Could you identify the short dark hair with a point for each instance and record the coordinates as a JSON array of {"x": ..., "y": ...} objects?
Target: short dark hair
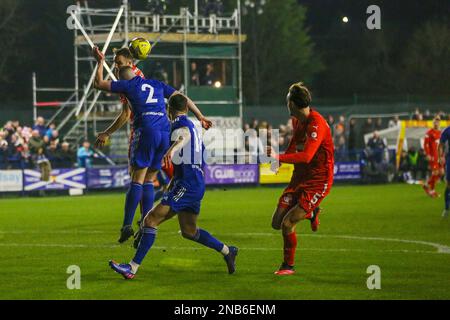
[
  {"x": 124, "y": 52},
  {"x": 300, "y": 95},
  {"x": 178, "y": 102},
  {"x": 126, "y": 73}
]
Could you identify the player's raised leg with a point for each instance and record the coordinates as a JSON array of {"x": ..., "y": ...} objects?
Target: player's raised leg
[
  {"x": 151, "y": 222},
  {"x": 190, "y": 231}
]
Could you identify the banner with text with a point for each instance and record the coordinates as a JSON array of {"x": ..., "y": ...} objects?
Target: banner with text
[
  {"x": 231, "y": 174},
  {"x": 60, "y": 179},
  {"x": 105, "y": 178},
  {"x": 347, "y": 171},
  {"x": 11, "y": 180}
]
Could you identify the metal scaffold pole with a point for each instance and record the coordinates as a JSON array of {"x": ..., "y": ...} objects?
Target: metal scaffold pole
[
  {"x": 241, "y": 111},
  {"x": 34, "y": 97}
]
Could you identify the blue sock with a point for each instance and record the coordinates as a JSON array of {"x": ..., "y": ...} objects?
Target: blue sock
[
  {"x": 148, "y": 237},
  {"x": 204, "y": 238},
  {"x": 447, "y": 198},
  {"x": 148, "y": 198},
  {"x": 134, "y": 195}
]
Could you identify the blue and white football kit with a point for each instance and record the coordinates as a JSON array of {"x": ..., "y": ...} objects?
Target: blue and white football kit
[
  {"x": 188, "y": 187},
  {"x": 152, "y": 127},
  {"x": 151, "y": 138},
  {"x": 185, "y": 196}
]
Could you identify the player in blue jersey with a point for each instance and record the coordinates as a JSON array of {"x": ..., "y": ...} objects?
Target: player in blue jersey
[
  {"x": 151, "y": 138},
  {"x": 444, "y": 157},
  {"x": 184, "y": 196}
]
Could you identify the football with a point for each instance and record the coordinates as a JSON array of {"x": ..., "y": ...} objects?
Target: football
[{"x": 140, "y": 48}]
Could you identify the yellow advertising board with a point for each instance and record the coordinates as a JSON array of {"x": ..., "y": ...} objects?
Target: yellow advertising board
[{"x": 267, "y": 176}]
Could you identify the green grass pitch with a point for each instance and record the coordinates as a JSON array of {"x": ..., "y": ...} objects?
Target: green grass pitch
[{"x": 395, "y": 227}]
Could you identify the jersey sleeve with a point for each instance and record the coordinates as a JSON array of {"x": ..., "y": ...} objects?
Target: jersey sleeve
[
  {"x": 426, "y": 143},
  {"x": 120, "y": 86},
  {"x": 315, "y": 135},
  {"x": 445, "y": 136},
  {"x": 167, "y": 90}
]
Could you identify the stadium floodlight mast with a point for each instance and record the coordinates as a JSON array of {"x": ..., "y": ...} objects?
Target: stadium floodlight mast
[{"x": 105, "y": 47}]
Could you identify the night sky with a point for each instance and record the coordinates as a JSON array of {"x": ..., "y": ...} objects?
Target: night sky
[{"x": 50, "y": 51}]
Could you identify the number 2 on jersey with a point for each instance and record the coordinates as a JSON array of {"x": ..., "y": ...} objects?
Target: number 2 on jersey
[{"x": 150, "y": 98}]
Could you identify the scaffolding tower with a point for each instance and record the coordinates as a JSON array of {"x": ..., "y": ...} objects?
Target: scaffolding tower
[{"x": 180, "y": 38}]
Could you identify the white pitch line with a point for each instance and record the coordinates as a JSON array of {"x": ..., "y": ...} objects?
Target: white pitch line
[
  {"x": 87, "y": 246},
  {"x": 440, "y": 247}
]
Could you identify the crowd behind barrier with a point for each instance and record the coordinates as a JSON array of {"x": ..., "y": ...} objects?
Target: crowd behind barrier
[{"x": 39, "y": 147}]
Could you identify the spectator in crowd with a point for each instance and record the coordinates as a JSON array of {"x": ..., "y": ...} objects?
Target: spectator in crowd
[
  {"x": 414, "y": 164},
  {"x": 3, "y": 151},
  {"x": 36, "y": 142},
  {"x": 38, "y": 156},
  {"x": 428, "y": 115},
  {"x": 394, "y": 122},
  {"x": 254, "y": 124},
  {"x": 379, "y": 124},
  {"x": 50, "y": 130},
  {"x": 195, "y": 75},
  {"x": 339, "y": 141},
  {"x": 40, "y": 126},
  {"x": 53, "y": 152},
  {"x": 54, "y": 137},
  {"x": 21, "y": 147},
  {"x": 368, "y": 126},
  {"x": 352, "y": 140},
  {"x": 85, "y": 155},
  {"x": 376, "y": 147},
  {"x": 416, "y": 115},
  {"x": 210, "y": 77},
  {"x": 66, "y": 156}
]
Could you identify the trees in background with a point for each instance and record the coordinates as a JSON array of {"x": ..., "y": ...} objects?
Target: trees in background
[
  {"x": 406, "y": 56},
  {"x": 278, "y": 51},
  {"x": 12, "y": 33},
  {"x": 426, "y": 60}
]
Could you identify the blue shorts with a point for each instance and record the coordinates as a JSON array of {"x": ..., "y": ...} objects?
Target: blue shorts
[
  {"x": 183, "y": 198},
  {"x": 148, "y": 148}
]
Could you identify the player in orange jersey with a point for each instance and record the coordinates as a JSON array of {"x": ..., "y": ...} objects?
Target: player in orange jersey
[
  {"x": 431, "y": 144},
  {"x": 311, "y": 150}
]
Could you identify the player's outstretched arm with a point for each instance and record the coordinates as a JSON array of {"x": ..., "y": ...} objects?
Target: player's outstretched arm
[
  {"x": 99, "y": 82},
  {"x": 118, "y": 123},
  {"x": 206, "y": 123},
  {"x": 312, "y": 144}
]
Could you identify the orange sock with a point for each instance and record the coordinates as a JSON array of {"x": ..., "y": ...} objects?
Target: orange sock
[
  {"x": 290, "y": 244},
  {"x": 432, "y": 181}
]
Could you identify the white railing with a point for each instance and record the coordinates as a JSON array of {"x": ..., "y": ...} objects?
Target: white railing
[{"x": 185, "y": 21}]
